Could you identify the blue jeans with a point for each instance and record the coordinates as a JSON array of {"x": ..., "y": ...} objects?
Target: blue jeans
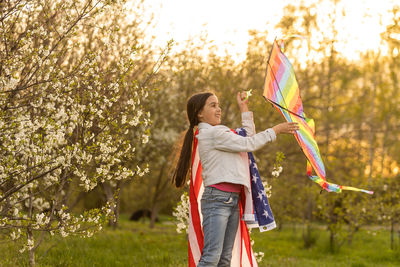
[{"x": 220, "y": 211}]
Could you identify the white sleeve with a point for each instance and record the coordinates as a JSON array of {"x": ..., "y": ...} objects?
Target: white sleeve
[
  {"x": 248, "y": 123},
  {"x": 226, "y": 140}
]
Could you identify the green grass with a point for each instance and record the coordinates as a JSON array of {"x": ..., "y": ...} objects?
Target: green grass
[
  {"x": 134, "y": 244},
  {"x": 285, "y": 248}
]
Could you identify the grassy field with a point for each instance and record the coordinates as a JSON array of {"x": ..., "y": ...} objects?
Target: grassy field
[{"x": 134, "y": 244}]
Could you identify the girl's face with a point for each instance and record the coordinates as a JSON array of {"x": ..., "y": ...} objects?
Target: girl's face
[{"x": 211, "y": 112}]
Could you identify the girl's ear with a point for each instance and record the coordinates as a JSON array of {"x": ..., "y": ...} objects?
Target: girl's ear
[{"x": 200, "y": 115}]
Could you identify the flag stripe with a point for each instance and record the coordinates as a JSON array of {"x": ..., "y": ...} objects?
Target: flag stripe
[
  {"x": 195, "y": 233},
  {"x": 241, "y": 256}
]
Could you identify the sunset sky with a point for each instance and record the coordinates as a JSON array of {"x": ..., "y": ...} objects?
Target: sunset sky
[{"x": 227, "y": 22}]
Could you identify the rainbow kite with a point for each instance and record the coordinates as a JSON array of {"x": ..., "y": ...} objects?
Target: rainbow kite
[{"x": 282, "y": 91}]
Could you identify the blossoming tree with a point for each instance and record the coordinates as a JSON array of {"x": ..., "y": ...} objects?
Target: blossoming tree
[{"x": 66, "y": 118}]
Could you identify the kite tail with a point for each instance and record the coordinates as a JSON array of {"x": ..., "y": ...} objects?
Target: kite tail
[
  {"x": 330, "y": 187},
  {"x": 357, "y": 189}
]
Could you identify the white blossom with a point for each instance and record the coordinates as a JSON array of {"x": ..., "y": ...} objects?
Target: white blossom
[
  {"x": 275, "y": 173},
  {"x": 259, "y": 256},
  {"x": 134, "y": 121},
  {"x": 12, "y": 83},
  {"x": 42, "y": 219},
  {"x": 30, "y": 244},
  {"x": 15, "y": 213},
  {"x": 145, "y": 139},
  {"x": 181, "y": 213},
  {"x": 15, "y": 235},
  {"x": 268, "y": 189}
]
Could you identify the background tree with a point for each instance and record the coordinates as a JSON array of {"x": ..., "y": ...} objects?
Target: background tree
[{"x": 68, "y": 119}]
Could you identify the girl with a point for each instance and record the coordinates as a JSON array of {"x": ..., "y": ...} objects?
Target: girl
[{"x": 225, "y": 170}]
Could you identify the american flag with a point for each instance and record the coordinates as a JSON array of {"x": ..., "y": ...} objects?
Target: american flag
[
  {"x": 262, "y": 211},
  {"x": 242, "y": 254}
]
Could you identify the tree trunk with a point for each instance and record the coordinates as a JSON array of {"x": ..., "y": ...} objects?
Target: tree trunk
[
  {"x": 331, "y": 240},
  {"x": 333, "y": 227},
  {"x": 280, "y": 225},
  {"x": 328, "y": 96},
  {"x": 32, "y": 250},
  {"x": 352, "y": 231},
  {"x": 156, "y": 196},
  {"x": 371, "y": 134},
  {"x": 29, "y": 233},
  {"x": 113, "y": 196},
  {"x": 392, "y": 233},
  {"x": 308, "y": 237},
  {"x": 398, "y": 235},
  {"x": 154, "y": 215},
  {"x": 117, "y": 205}
]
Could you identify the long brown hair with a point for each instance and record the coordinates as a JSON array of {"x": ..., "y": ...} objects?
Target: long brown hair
[{"x": 194, "y": 105}]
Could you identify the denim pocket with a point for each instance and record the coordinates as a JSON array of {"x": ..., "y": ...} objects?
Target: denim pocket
[
  {"x": 224, "y": 197},
  {"x": 217, "y": 196}
]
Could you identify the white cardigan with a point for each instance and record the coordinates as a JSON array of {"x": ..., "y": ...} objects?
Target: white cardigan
[{"x": 223, "y": 153}]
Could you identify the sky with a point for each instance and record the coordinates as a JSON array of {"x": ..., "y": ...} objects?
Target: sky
[{"x": 227, "y": 22}]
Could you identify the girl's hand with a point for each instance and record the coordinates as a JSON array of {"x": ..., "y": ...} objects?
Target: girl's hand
[
  {"x": 286, "y": 127},
  {"x": 242, "y": 103}
]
